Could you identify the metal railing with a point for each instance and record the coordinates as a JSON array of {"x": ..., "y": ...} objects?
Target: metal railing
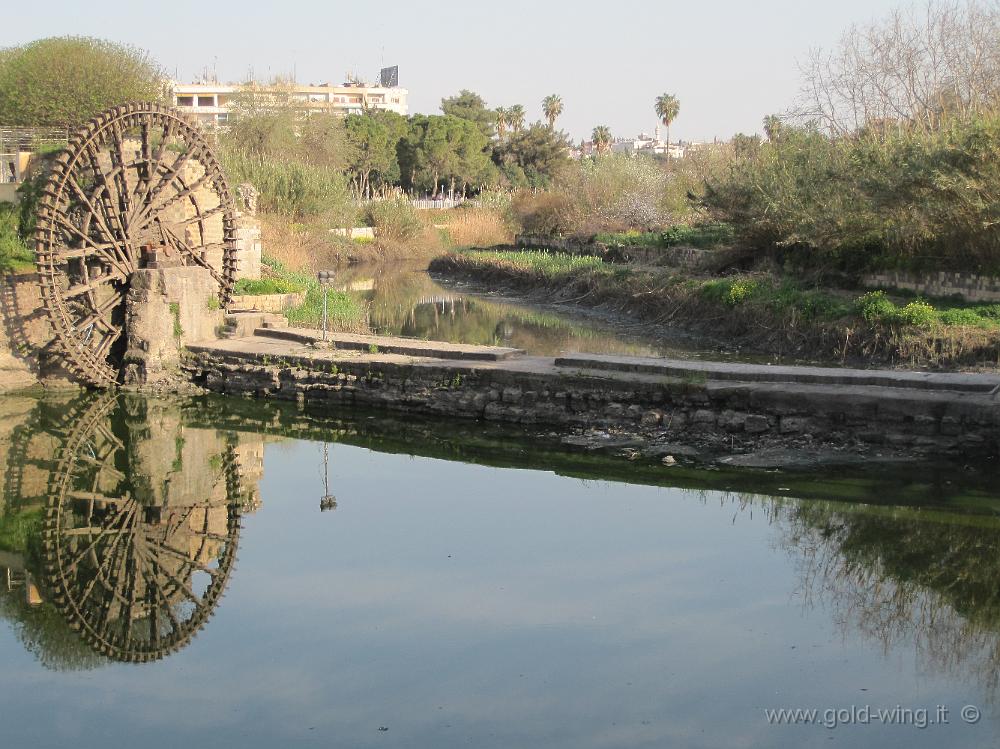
[{"x": 15, "y": 140}]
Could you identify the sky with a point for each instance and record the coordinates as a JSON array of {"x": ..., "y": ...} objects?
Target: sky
[{"x": 730, "y": 63}]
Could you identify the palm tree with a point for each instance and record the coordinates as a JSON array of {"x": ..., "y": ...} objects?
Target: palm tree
[
  {"x": 772, "y": 127},
  {"x": 668, "y": 107},
  {"x": 503, "y": 119},
  {"x": 552, "y": 107},
  {"x": 515, "y": 116},
  {"x": 602, "y": 138}
]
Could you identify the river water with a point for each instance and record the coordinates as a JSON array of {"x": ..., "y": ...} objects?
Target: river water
[
  {"x": 233, "y": 573},
  {"x": 404, "y": 300}
]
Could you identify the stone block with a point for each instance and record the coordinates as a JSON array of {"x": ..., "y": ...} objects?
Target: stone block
[
  {"x": 703, "y": 416},
  {"x": 756, "y": 424},
  {"x": 793, "y": 425},
  {"x": 732, "y": 421},
  {"x": 511, "y": 395},
  {"x": 651, "y": 418}
]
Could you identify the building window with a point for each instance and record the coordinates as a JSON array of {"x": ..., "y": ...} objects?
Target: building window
[
  {"x": 206, "y": 101},
  {"x": 185, "y": 101}
]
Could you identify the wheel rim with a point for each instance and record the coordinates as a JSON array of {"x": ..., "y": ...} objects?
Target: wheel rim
[
  {"x": 136, "y": 580},
  {"x": 136, "y": 176}
]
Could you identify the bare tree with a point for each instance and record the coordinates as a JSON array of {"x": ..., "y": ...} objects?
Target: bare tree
[{"x": 909, "y": 70}]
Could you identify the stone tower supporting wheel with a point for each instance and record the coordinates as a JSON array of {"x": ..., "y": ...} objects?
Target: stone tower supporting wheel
[{"x": 137, "y": 185}]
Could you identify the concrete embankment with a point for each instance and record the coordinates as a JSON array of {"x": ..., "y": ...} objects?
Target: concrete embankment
[{"x": 744, "y": 407}]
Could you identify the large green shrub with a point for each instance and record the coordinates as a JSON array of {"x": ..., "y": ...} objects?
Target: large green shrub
[
  {"x": 63, "y": 81},
  {"x": 891, "y": 196},
  {"x": 395, "y": 220},
  {"x": 293, "y": 188}
]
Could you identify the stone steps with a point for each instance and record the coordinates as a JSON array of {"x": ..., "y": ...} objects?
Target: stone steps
[{"x": 243, "y": 324}]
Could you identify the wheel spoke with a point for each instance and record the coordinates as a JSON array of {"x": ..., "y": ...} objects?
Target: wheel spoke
[{"x": 120, "y": 183}]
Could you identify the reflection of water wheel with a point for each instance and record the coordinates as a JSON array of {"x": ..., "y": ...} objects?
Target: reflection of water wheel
[
  {"x": 136, "y": 177},
  {"x": 136, "y": 579}
]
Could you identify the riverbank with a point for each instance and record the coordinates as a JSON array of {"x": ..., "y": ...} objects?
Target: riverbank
[
  {"x": 754, "y": 313},
  {"x": 733, "y": 414}
]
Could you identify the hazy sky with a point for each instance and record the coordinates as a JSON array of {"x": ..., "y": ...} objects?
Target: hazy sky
[{"x": 729, "y": 62}]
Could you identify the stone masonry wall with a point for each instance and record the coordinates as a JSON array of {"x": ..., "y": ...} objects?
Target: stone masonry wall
[
  {"x": 27, "y": 356},
  {"x": 918, "y": 421},
  {"x": 167, "y": 309},
  {"x": 969, "y": 286}
]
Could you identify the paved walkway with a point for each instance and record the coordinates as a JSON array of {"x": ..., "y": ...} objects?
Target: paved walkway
[{"x": 301, "y": 342}]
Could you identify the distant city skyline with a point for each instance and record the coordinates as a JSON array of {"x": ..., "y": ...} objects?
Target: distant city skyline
[{"x": 729, "y": 63}]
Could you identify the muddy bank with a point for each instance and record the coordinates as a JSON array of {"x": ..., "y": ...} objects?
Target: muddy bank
[{"x": 780, "y": 333}]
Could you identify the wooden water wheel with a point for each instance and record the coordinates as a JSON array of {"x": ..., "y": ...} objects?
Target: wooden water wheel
[
  {"x": 136, "y": 183},
  {"x": 136, "y": 569}
]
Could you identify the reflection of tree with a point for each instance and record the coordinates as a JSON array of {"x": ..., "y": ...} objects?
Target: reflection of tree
[
  {"x": 903, "y": 576},
  {"x": 45, "y": 633},
  {"x": 406, "y": 301},
  {"x": 141, "y": 524}
]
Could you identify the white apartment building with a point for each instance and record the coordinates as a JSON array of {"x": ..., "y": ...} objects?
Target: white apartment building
[
  {"x": 210, "y": 103},
  {"x": 643, "y": 143}
]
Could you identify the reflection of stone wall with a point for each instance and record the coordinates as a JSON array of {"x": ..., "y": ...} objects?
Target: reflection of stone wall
[
  {"x": 250, "y": 454},
  {"x": 940, "y": 424},
  {"x": 14, "y": 412}
]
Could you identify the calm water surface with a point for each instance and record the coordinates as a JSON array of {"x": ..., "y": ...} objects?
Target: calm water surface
[
  {"x": 175, "y": 581},
  {"x": 404, "y": 300}
]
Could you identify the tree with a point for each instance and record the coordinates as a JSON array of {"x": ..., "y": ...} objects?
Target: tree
[
  {"x": 667, "y": 108},
  {"x": 473, "y": 165},
  {"x": 515, "y": 117},
  {"x": 63, "y": 81},
  {"x": 914, "y": 68},
  {"x": 501, "y": 119},
  {"x": 468, "y": 105},
  {"x": 263, "y": 120},
  {"x": 441, "y": 149},
  {"x": 772, "y": 127},
  {"x": 552, "y": 107},
  {"x": 534, "y": 157},
  {"x": 373, "y": 139},
  {"x": 602, "y": 138},
  {"x": 323, "y": 141}
]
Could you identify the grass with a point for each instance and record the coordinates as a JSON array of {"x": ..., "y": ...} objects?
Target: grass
[
  {"x": 477, "y": 227},
  {"x": 345, "y": 313},
  {"x": 763, "y": 313},
  {"x": 175, "y": 311},
  {"x": 14, "y": 253},
  {"x": 16, "y": 529},
  {"x": 702, "y": 236},
  {"x": 877, "y": 307},
  {"x": 272, "y": 285},
  {"x": 547, "y": 264}
]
